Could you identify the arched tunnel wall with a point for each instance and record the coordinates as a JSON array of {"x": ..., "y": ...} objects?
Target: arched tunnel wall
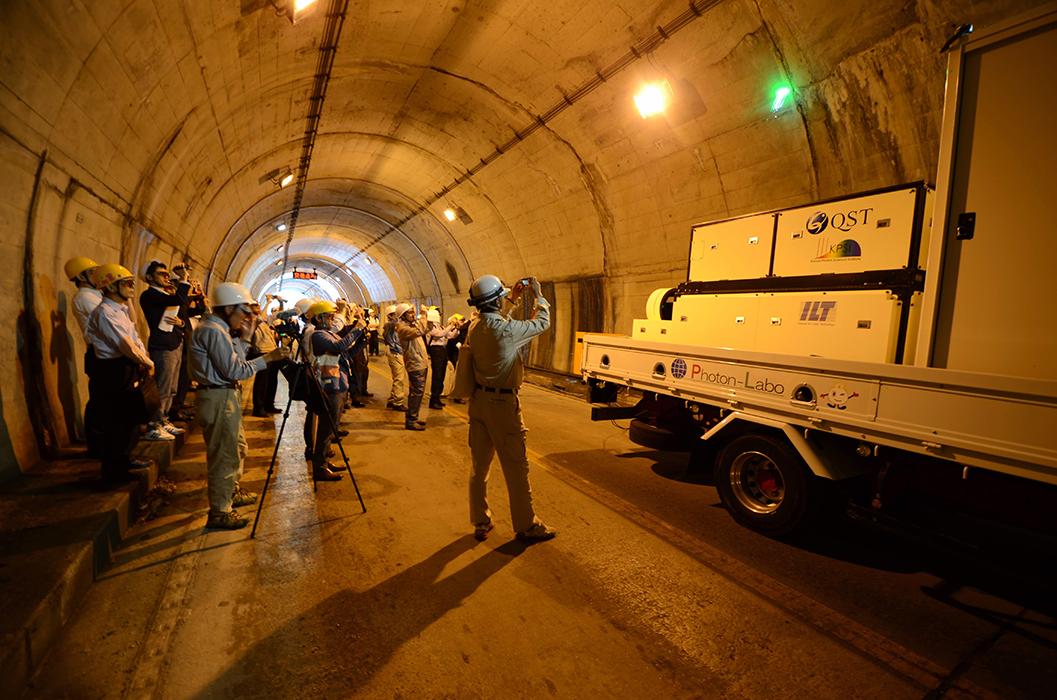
[{"x": 140, "y": 130}]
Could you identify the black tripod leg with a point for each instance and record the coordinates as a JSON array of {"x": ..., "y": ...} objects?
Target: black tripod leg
[
  {"x": 334, "y": 427},
  {"x": 349, "y": 470},
  {"x": 275, "y": 456}
]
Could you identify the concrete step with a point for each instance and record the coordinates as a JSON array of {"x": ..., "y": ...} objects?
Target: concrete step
[{"x": 59, "y": 525}]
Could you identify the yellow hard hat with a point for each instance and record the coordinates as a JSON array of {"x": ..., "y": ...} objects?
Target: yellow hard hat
[
  {"x": 105, "y": 275},
  {"x": 75, "y": 266},
  {"x": 321, "y": 307}
]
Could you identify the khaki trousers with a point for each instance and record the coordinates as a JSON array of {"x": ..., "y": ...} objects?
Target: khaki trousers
[
  {"x": 398, "y": 394},
  {"x": 219, "y": 412},
  {"x": 496, "y": 427}
]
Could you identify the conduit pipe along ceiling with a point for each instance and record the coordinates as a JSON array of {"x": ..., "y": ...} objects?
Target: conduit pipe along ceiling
[{"x": 328, "y": 50}]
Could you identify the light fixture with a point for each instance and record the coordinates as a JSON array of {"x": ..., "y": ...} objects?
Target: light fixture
[
  {"x": 367, "y": 259},
  {"x": 278, "y": 262},
  {"x": 280, "y": 177},
  {"x": 779, "y": 98},
  {"x": 280, "y": 227},
  {"x": 295, "y": 10},
  {"x": 653, "y": 99},
  {"x": 280, "y": 249},
  {"x": 458, "y": 213}
]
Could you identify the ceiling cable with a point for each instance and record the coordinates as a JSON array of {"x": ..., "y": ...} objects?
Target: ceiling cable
[
  {"x": 642, "y": 49},
  {"x": 328, "y": 48}
]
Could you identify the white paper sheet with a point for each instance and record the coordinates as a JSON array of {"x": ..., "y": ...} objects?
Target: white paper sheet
[{"x": 170, "y": 312}]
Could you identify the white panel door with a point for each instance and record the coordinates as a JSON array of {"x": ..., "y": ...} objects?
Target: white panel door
[{"x": 998, "y": 300}]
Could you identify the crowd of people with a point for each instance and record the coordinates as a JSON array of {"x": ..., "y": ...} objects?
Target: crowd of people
[{"x": 218, "y": 343}]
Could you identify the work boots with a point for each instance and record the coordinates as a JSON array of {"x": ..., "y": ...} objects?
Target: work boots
[
  {"x": 328, "y": 472},
  {"x": 226, "y": 521}
]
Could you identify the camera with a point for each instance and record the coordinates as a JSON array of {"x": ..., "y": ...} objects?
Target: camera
[{"x": 288, "y": 329}]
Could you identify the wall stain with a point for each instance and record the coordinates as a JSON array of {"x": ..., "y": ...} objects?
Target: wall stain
[
  {"x": 453, "y": 274},
  {"x": 38, "y": 403}
]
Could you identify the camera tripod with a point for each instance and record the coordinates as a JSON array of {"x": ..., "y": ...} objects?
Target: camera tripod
[{"x": 301, "y": 367}]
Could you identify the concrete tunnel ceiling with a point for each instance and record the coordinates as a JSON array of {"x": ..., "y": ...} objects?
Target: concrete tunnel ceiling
[{"x": 180, "y": 108}]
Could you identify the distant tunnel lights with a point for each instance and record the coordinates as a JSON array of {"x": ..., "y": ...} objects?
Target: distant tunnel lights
[
  {"x": 286, "y": 181},
  {"x": 653, "y": 99},
  {"x": 280, "y": 227},
  {"x": 449, "y": 214}
]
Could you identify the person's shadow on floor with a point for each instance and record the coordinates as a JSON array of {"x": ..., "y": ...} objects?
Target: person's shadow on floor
[{"x": 339, "y": 645}]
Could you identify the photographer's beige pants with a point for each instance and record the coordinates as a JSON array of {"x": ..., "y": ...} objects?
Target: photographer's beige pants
[
  {"x": 398, "y": 394},
  {"x": 496, "y": 427},
  {"x": 219, "y": 412}
]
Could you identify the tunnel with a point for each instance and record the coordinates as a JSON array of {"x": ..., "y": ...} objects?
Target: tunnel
[{"x": 389, "y": 151}]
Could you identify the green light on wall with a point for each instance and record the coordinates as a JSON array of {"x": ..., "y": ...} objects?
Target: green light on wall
[{"x": 780, "y": 96}]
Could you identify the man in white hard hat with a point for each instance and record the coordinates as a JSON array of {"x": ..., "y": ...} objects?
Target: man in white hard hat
[
  {"x": 372, "y": 333},
  {"x": 496, "y": 425},
  {"x": 79, "y": 271},
  {"x": 411, "y": 332},
  {"x": 218, "y": 364},
  {"x": 121, "y": 363},
  {"x": 395, "y": 354},
  {"x": 437, "y": 337}
]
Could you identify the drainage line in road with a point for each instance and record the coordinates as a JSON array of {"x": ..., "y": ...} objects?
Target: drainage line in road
[{"x": 966, "y": 663}]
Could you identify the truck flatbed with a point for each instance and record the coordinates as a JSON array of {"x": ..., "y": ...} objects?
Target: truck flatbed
[{"x": 1005, "y": 424}]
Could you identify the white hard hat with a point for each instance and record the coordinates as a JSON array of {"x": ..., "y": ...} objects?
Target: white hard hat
[
  {"x": 391, "y": 309},
  {"x": 303, "y": 305},
  {"x": 230, "y": 294},
  {"x": 402, "y": 309},
  {"x": 145, "y": 268},
  {"x": 433, "y": 315},
  {"x": 485, "y": 289}
]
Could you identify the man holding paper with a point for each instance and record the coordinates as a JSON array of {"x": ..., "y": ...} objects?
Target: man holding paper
[{"x": 161, "y": 305}]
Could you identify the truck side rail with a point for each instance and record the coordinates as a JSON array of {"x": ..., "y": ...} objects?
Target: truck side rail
[{"x": 1005, "y": 424}]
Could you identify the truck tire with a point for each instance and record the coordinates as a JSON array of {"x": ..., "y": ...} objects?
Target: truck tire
[
  {"x": 642, "y": 433},
  {"x": 765, "y": 485}
]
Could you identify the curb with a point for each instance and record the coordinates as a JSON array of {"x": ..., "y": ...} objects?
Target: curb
[{"x": 59, "y": 531}]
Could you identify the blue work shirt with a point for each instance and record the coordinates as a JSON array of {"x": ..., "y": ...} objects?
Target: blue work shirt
[{"x": 392, "y": 341}]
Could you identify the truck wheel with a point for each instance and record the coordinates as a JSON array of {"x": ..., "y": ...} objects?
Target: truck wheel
[
  {"x": 764, "y": 485},
  {"x": 642, "y": 433}
]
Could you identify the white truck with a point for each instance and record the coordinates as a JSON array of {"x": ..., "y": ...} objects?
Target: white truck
[{"x": 884, "y": 344}]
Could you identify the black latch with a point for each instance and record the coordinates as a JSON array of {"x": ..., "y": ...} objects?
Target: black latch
[{"x": 966, "y": 225}]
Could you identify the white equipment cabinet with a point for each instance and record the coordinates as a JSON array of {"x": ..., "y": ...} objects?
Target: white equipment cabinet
[
  {"x": 732, "y": 249},
  {"x": 846, "y": 325},
  {"x": 874, "y": 232}
]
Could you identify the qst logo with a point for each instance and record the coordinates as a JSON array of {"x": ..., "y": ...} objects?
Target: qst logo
[
  {"x": 679, "y": 368},
  {"x": 842, "y": 221},
  {"x": 817, "y": 222}
]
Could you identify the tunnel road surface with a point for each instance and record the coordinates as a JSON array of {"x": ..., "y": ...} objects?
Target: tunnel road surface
[{"x": 649, "y": 590}]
